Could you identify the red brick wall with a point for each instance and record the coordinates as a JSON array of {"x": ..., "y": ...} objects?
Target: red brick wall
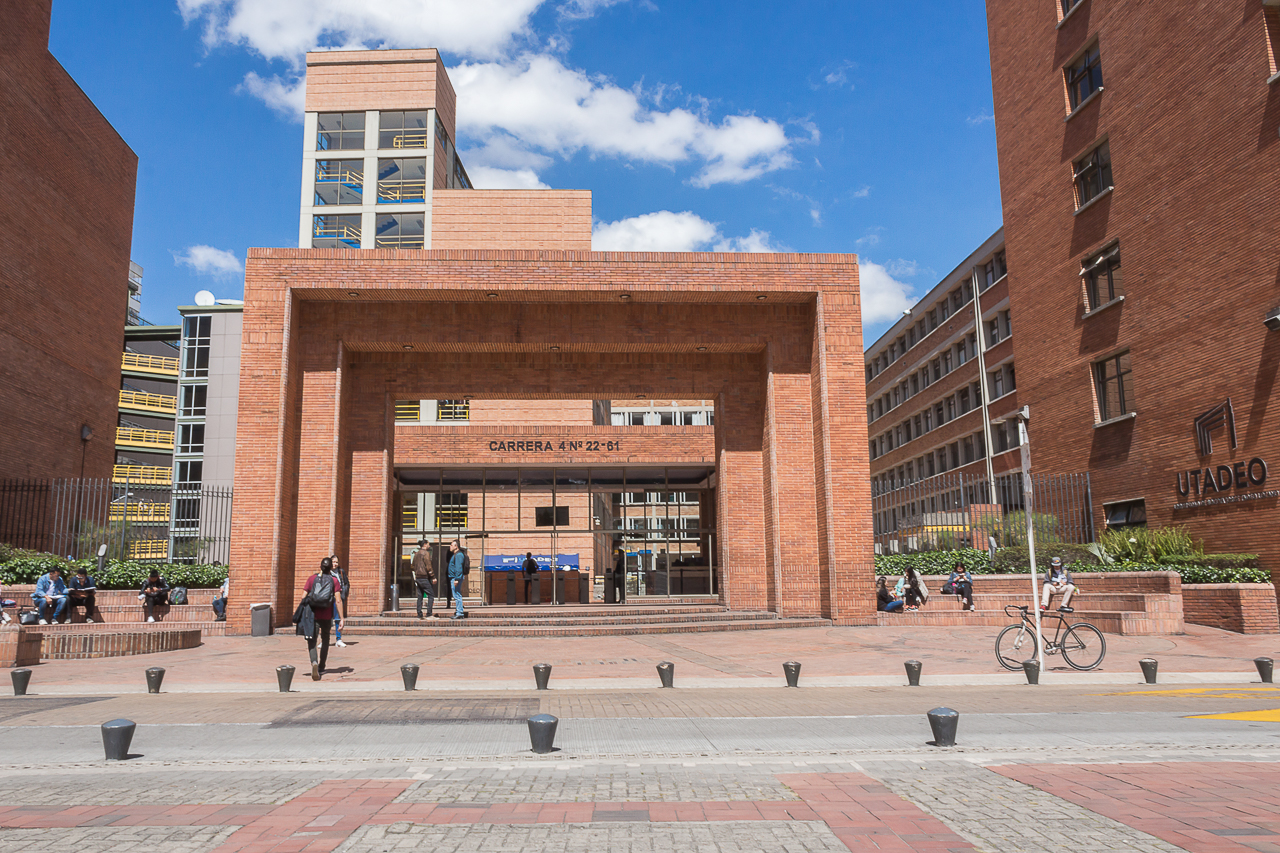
[
  {"x": 517, "y": 219},
  {"x": 64, "y": 271},
  {"x": 1246, "y": 608},
  {"x": 1194, "y": 167}
]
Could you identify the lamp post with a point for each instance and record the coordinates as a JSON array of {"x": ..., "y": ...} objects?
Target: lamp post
[{"x": 1023, "y": 415}]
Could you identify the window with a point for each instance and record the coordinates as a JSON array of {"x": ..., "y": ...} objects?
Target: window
[
  {"x": 1008, "y": 323},
  {"x": 402, "y": 129},
  {"x": 408, "y": 410},
  {"x": 961, "y": 356},
  {"x": 1102, "y": 279},
  {"x": 1002, "y": 268},
  {"x": 453, "y": 410},
  {"x": 946, "y": 362},
  {"x": 1084, "y": 76},
  {"x": 451, "y": 510},
  {"x": 551, "y": 516},
  {"x": 1126, "y": 514},
  {"x": 1068, "y": 5},
  {"x": 1271, "y": 19},
  {"x": 195, "y": 334},
  {"x": 331, "y": 231},
  {"x": 340, "y": 131},
  {"x": 399, "y": 231},
  {"x": 993, "y": 332},
  {"x": 1115, "y": 386},
  {"x": 915, "y": 384},
  {"x": 962, "y": 397},
  {"x": 191, "y": 438},
  {"x": 339, "y": 182},
  {"x": 190, "y": 474},
  {"x": 1093, "y": 174},
  {"x": 402, "y": 180},
  {"x": 194, "y": 400},
  {"x": 997, "y": 383},
  {"x": 937, "y": 369}
]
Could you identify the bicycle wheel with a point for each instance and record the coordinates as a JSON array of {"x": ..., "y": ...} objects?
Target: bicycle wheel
[
  {"x": 1083, "y": 646},
  {"x": 1014, "y": 645}
]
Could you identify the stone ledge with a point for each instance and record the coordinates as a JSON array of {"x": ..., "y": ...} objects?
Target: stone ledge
[{"x": 81, "y": 645}]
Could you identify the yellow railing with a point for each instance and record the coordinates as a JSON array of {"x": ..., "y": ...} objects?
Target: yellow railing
[
  {"x": 409, "y": 516},
  {"x": 158, "y": 513},
  {"x": 451, "y": 517},
  {"x": 142, "y": 475},
  {"x": 161, "y": 364},
  {"x": 403, "y": 241},
  {"x": 144, "y": 438},
  {"x": 408, "y": 410},
  {"x": 453, "y": 410},
  {"x": 340, "y": 174},
  {"x": 410, "y": 139},
  {"x": 394, "y": 191},
  {"x": 349, "y": 233},
  {"x": 149, "y": 402},
  {"x": 149, "y": 549}
]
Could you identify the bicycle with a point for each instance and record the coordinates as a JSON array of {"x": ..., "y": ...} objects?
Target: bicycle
[{"x": 1078, "y": 642}]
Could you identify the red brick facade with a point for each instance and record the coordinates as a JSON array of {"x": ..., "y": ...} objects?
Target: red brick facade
[
  {"x": 68, "y": 225},
  {"x": 1192, "y": 125},
  {"x": 1247, "y": 608},
  {"x": 333, "y": 338}
]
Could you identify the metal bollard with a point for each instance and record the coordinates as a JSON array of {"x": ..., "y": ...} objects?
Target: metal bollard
[
  {"x": 542, "y": 733},
  {"x": 409, "y": 672},
  {"x": 535, "y": 590},
  {"x": 1149, "y": 667},
  {"x": 667, "y": 673},
  {"x": 944, "y": 721},
  {"x": 1032, "y": 669},
  {"x": 284, "y": 677},
  {"x": 913, "y": 672},
  {"x": 155, "y": 675},
  {"x": 511, "y": 588},
  {"x": 792, "y": 669},
  {"x": 21, "y": 678},
  {"x": 116, "y": 737},
  {"x": 541, "y": 675},
  {"x": 1266, "y": 669}
]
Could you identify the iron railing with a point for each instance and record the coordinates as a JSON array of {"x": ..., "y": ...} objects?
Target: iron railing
[{"x": 139, "y": 363}]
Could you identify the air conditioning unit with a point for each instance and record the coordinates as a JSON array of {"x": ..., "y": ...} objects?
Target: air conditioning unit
[{"x": 1273, "y": 317}]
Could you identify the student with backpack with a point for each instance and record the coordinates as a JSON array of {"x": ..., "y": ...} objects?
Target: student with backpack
[
  {"x": 314, "y": 616},
  {"x": 459, "y": 568}
]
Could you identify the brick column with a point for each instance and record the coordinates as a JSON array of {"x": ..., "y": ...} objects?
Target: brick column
[
  {"x": 740, "y": 541},
  {"x": 364, "y": 516},
  {"x": 317, "y": 460}
]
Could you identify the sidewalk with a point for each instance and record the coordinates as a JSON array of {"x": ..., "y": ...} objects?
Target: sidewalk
[{"x": 830, "y": 657}]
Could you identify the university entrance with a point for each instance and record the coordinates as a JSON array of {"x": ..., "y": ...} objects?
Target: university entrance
[{"x": 576, "y": 523}]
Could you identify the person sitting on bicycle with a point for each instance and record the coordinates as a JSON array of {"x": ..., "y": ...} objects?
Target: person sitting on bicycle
[{"x": 1058, "y": 580}]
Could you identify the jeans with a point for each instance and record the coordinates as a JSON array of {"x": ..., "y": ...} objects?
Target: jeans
[
  {"x": 457, "y": 597},
  {"x": 323, "y": 626},
  {"x": 150, "y": 600},
  {"x": 220, "y": 608},
  {"x": 893, "y": 606},
  {"x": 59, "y": 605},
  {"x": 964, "y": 589},
  {"x": 428, "y": 591}
]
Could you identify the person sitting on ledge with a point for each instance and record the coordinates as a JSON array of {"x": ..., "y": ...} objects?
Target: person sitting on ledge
[
  {"x": 962, "y": 582},
  {"x": 1058, "y": 580},
  {"x": 50, "y": 589},
  {"x": 911, "y": 589},
  {"x": 885, "y": 600},
  {"x": 81, "y": 594},
  {"x": 154, "y": 591},
  {"x": 220, "y": 603}
]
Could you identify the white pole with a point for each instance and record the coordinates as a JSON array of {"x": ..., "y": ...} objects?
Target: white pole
[{"x": 1024, "y": 440}]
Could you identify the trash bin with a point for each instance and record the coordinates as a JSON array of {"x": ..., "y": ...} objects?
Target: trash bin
[{"x": 260, "y": 619}]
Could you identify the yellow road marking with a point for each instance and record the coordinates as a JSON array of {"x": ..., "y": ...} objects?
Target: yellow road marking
[
  {"x": 1206, "y": 692},
  {"x": 1272, "y": 716}
]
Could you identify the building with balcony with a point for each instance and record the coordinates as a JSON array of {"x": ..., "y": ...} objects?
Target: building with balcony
[
  {"x": 148, "y": 396},
  {"x": 68, "y": 226}
]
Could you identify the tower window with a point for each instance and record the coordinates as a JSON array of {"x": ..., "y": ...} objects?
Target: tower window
[{"x": 340, "y": 131}]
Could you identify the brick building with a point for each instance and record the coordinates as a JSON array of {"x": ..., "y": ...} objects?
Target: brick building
[
  {"x": 68, "y": 225},
  {"x": 452, "y": 356},
  {"x": 1114, "y": 145}
]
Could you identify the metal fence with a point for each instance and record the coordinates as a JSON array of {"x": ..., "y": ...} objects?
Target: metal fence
[
  {"x": 955, "y": 511},
  {"x": 150, "y": 523}
]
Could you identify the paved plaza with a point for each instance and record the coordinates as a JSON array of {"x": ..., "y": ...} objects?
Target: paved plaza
[{"x": 224, "y": 762}]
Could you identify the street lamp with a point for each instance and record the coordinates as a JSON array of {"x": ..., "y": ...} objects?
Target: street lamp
[{"x": 1023, "y": 416}]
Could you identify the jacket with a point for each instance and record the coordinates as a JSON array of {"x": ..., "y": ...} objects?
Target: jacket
[
  {"x": 960, "y": 577},
  {"x": 324, "y": 613},
  {"x": 164, "y": 585},
  {"x": 47, "y": 587},
  {"x": 1048, "y": 575},
  {"x": 305, "y": 621},
  {"x": 455, "y": 565},
  {"x": 422, "y": 567}
]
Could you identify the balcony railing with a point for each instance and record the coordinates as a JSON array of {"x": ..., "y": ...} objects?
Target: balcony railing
[
  {"x": 453, "y": 410},
  {"x": 152, "y": 403},
  {"x": 348, "y": 234},
  {"x": 402, "y": 191},
  {"x": 410, "y": 139},
  {"x": 142, "y": 475},
  {"x": 147, "y": 439},
  {"x": 140, "y": 512},
  {"x": 161, "y": 365},
  {"x": 408, "y": 410},
  {"x": 402, "y": 241},
  {"x": 352, "y": 177},
  {"x": 149, "y": 549}
]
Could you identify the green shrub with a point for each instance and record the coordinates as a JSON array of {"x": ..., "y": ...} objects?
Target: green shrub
[
  {"x": 1220, "y": 561},
  {"x": 1150, "y": 545},
  {"x": 1188, "y": 573},
  {"x": 20, "y": 567},
  {"x": 934, "y": 562},
  {"x": 1016, "y": 559}
]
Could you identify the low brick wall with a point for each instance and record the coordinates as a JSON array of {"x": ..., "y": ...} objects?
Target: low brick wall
[
  {"x": 19, "y": 646},
  {"x": 110, "y": 643},
  {"x": 1246, "y": 608},
  {"x": 1107, "y": 583}
]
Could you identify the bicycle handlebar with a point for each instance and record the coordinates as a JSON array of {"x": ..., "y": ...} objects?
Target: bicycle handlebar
[{"x": 1014, "y": 609}]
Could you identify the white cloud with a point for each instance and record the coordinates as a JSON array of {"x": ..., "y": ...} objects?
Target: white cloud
[
  {"x": 862, "y": 193},
  {"x": 206, "y": 260},
  {"x": 871, "y": 238},
  {"x": 981, "y": 118},
  {"x": 884, "y": 297},
  {"x": 489, "y": 178},
  {"x": 666, "y": 231},
  {"x": 575, "y": 9},
  {"x": 284, "y": 96},
  {"x": 838, "y": 75}
]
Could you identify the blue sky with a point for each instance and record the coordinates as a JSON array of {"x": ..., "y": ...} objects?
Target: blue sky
[{"x": 856, "y": 126}]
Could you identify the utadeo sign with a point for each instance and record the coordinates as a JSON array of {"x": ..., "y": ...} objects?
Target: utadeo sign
[{"x": 1216, "y": 485}]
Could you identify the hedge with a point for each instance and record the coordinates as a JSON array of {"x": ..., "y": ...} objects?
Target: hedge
[
  {"x": 19, "y": 566},
  {"x": 1232, "y": 568},
  {"x": 934, "y": 562}
]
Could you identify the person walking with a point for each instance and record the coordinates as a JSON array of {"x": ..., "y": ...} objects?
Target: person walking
[
  {"x": 530, "y": 567},
  {"x": 457, "y": 571},
  {"x": 339, "y": 615},
  {"x": 424, "y": 578},
  {"x": 314, "y": 616}
]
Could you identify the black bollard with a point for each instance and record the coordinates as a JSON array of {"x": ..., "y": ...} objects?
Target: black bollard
[
  {"x": 913, "y": 672},
  {"x": 116, "y": 737},
  {"x": 409, "y": 672},
  {"x": 535, "y": 590},
  {"x": 284, "y": 677},
  {"x": 610, "y": 595},
  {"x": 542, "y": 674},
  {"x": 21, "y": 678},
  {"x": 542, "y": 733},
  {"x": 1149, "y": 667},
  {"x": 155, "y": 675},
  {"x": 1032, "y": 669},
  {"x": 511, "y": 588},
  {"x": 792, "y": 669},
  {"x": 944, "y": 721},
  {"x": 1266, "y": 669},
  {"x": 667, "y": 673}
]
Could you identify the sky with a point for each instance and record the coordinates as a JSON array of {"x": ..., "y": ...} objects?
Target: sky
[{"x": 861, "y": 126}]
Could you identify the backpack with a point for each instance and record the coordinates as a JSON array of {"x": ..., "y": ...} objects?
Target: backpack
[
  {"x": 466, "y": 563},
  {"x": 321, "y": 594},
  {"x": 178, "y": 595}
]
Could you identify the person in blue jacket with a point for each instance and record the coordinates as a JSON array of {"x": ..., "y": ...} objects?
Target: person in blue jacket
[
  {"x": 50, "y": 589},
  {"x": 457, "y": 555}
]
